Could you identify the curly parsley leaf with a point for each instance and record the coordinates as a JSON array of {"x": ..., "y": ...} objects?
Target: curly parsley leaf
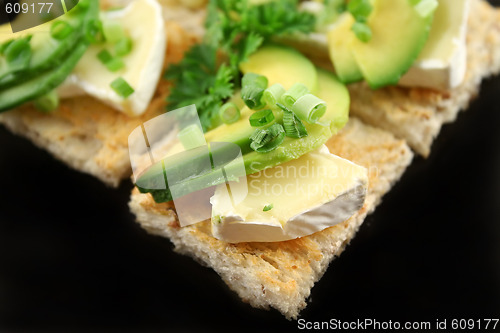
[{"x": 235, "y": 29}]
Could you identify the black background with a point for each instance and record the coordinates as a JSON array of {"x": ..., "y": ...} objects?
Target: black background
[{"x": 72, "y": 258}]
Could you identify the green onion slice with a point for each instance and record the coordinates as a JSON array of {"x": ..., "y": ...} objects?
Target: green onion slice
[
  {"x": 293, "y": 94},
  {"x": 121, "y": 87},
  {"x": 93, "y": 31},
  {"x": 104, "y": 56},
  {"x": 261, "y": 118},
  {"x": 362, "y": 31},
  {"x": 294, "y": 128},
  {"x": 113, "y": 31},
  {"x": 272, "y": 95},
  {"x": 47, "y": 103},
  {"x": 113, "y": 64},
  {"x": 18, "y": 53},
  {"x": 252, "y": 90},
  {"x": 60, "y": 30},
  {"x": 309, "y": 108},
  {"x": 360, "y": 9},
  {"x": 191, "y": 137},
  {"x": 123, "y": 46},
  {"x": 229, "y": 113},
  {"x": 266, "y": 140}
]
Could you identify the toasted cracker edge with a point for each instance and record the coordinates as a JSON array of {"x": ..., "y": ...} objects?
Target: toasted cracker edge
[{"x": 280, "y": 275}]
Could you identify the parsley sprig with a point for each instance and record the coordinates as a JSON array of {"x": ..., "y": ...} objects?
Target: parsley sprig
[{"x": 208, "y": 73}]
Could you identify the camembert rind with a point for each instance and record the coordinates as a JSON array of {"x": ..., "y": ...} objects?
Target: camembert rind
[{"x": 332, "y": 190}]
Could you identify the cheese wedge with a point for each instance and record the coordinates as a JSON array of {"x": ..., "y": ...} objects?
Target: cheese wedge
[
  {"x": 143, "y": 21},
  {"x": 443, "y": 61},
  {"x": 309, "y": 194}
]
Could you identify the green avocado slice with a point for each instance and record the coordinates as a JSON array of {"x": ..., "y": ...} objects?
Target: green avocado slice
[{"x": 399, "y": 33}]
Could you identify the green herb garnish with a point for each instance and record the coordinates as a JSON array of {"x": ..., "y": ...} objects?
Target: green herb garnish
[
  {"x": 113, "y": 64},
  {"x": 293, "y": 94},
  {"x": 294, "y": 128},
  {"x": 122, "y": 88},
  {"x": 272, "y": 95},
  {"x": 261, "y": 118},
  {"x": 309, "y": 108},
  {"x": 229, "y": 113},
  {"x": 362, "y": 31},
  {"x": 268, "y": 207},
  {"x": 235, "y": 30},
  {"x": 360, "y": 10},
  {"x": 48, "y": 102},
  {"x": 266, "y": 140},
  {"x": 60, "y": 30},
  {"x": 252, "y": 89}
]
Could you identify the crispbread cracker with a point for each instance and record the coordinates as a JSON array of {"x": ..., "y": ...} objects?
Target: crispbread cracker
[
  {"x": 89, "y": 135},
  {"x": 281, "y": 274}
]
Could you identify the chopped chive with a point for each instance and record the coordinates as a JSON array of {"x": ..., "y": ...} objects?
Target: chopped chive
[
  {"x": 121, "y": 87},
  {"x": 18, "y": 53},
  {"x": 360, "y": 9},
  {"x": 294, "y": 93},
  {"x": 60, "y": 30},
  {"x": 104, "y": 56},
  {"x": 113, "y": 31},
  {"x": 252, "y": 89},
  {"x": 113, "y": 64},
  {"x": 191, "y": 137},
  {"x": 272, "y": 95},
  {"x": 294, "y": 128},
  {"x": 123, "y": 46},
  {"x": 266, "y": 140},
  {"x": 93, "y": 31},
  {"x": 268, "y": 207},
  {"x": 48, "y": 102},
  {"x": 229, "y": 113},
  {"x": 362, "y": 31},
  {"x": 309, "y": 108},
  {"x": 261, "y": 118}
]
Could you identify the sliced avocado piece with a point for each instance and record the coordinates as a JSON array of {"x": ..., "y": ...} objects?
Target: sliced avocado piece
[
  {"x": 47, "y": 52},
  {"x": 293, "y": 67},
  {"x": 399, "y": 33},
  {"x": 339, "y": 45},
  {"x": 337, "y": 99}
]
